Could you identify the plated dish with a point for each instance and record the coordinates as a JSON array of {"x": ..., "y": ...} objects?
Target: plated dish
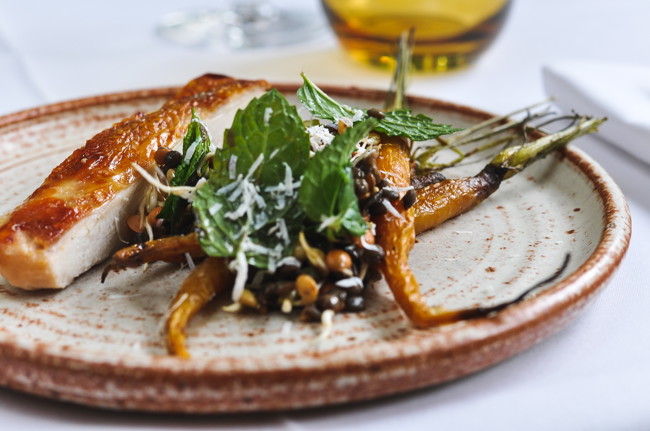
[{"x": 93, "y": 343}]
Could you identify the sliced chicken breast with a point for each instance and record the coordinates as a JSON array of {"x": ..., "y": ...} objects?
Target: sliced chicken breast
[{"x": 76, "y": 217}]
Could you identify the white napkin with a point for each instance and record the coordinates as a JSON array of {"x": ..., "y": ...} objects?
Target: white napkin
[{"x": 619, "y": 92}]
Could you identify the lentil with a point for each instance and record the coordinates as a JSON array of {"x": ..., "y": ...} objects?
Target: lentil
[
  {"x": 409, "y": 199},
  {"x": 381, "y": 183},
  {"x": 173, "y": 159},
  {"x": 353, "y": 251},
  {"x": 160, "y": 154},
  {"x": 338, "y": 261},
  {"x": 355, "y": 303},
  {"x": 371, "y": 181},
  {"x": 288, "y": 271},
  {"x": 361, "y": 188},
  {"x": 307, "y": 288},
  {"x": 330, "y": 302},
  {"x": 372, "y": 254},
  {"x": 390, "y": 193},
  {"x": 351, "y": 285},
  {"x": 310, "y": 313},
  {"x": 278, "y": 289},
  {"x": 376, "y": 113},
  {"x": 372, "y": 275},
  {"x": 375, "y": 205}
]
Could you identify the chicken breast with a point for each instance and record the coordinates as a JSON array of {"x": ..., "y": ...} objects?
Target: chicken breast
[{"x": 76, "y": 217}]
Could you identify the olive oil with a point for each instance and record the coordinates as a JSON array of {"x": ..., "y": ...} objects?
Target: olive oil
[{"x": 448, "y": 33}]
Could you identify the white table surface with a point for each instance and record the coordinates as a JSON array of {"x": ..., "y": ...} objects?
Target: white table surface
[{"x": 594, "y": 375}]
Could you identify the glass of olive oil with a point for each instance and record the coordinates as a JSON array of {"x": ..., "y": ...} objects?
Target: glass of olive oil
[{"x": 448, "y": 33}]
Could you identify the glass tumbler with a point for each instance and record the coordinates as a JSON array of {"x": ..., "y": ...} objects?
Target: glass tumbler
[{"x": 448, "y": 33}]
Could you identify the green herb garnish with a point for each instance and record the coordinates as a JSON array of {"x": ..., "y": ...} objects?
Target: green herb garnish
[
  {"x": 196, "y": 144},
  {"x": 248, "y": 206},
  {"x": 264, "y": 189},
  {"x": 321, "y": 105},
  {"x": 335, "y": 206},
  {"x": 263, "y": 185},
  {"x": 399, "y": 122},
  {"x": 269, "y": 126}
]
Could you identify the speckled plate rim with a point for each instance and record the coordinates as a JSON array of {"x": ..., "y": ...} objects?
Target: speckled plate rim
[{"x": 166, "y": 380}]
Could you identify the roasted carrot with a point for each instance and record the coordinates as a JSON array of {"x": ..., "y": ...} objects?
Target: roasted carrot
[
  {"x": 396, "y": 235},
  {"x": 206, "y": 280},
  {"x": 168, "y": 249},
  {"x": 439, "y": 202},
  {"x": 443, "y": 200}
]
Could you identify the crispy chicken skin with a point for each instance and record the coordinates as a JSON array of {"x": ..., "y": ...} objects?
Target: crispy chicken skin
[{"x": 74, "y": 219}]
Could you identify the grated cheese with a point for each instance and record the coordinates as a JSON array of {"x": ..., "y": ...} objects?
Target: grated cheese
[
  {"x": 358, "y": 115},
  {"x": 319, "y": 137},
  {"x": 347, "y": 121},
  {"x": 240, "y": 266},
  {"x": 289, "y": 260},
  {"x": 391, "y": 209},
  {"x": 232, "y": 167},
  {"x": 256, "y": 164},
  {"x": 327, "y": 222},
  {"x": 191, "y": 150},
  {"x": 215, "y": 208},
  {"x": 267, "y": 115},
  {"x": 248, "y": 245},
  {"x": 283, "y": 232},
  {"x": 387, "y": 176},
  {"x": 229, "y": 187},
  {"x": 275, "y": 228},
  {"x": 288, "y": 179},
  {"x": 246, "y": 191},
  {"x": 350, "y": 282},
  {"x": 255, "y": 191},
  {"x": 248, "y": 202},
  {"x": 273, "y": 153},
  {"x": 365, "y": 146}
]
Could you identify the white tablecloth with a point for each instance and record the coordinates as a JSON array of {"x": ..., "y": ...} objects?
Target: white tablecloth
[{"x": 594, "y": 375}]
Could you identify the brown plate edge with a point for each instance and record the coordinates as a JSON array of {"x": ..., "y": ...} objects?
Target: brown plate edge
[{"x": 109, "y": 386}]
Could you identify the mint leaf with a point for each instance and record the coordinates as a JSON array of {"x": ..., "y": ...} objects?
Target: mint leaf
[
  {"x": 249, "y": 205},
  {"x": 268, "y": 126},
  {"x": 264, "y": 231},
  {"x": 320, "y": 104},
  {"x": 196, "y": 144},
  {"x": 401, "y": 122},
  {"x": 327, "y": 190}
]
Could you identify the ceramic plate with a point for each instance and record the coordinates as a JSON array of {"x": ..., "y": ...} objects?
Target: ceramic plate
[{"x": 101, "y": 345}]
